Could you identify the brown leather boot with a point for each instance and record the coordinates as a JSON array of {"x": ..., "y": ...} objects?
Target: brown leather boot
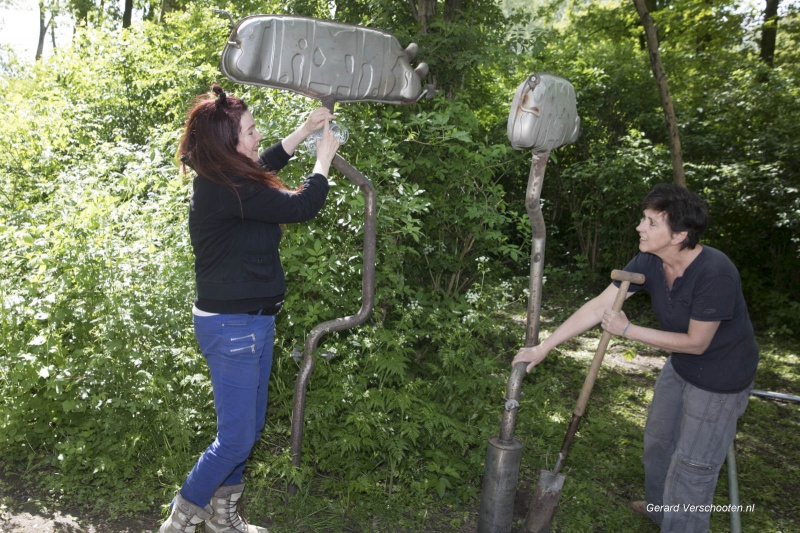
[{"x": 640, "y": 507}]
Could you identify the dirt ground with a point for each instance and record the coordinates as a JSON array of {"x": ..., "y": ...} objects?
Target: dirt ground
[
  {"x": 32, "y": 519},
  {"x": 22, "y": 512}
]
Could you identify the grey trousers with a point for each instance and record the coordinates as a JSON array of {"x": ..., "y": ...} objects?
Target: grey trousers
[{"x": 686, "y": 438}]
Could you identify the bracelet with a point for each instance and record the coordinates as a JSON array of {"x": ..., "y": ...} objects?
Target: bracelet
[{"x": 626, "y": 329}]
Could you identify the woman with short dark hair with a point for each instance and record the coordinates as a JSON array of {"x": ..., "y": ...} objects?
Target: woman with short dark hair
[
  {"x": 238, "y": 206},
  {"x": 702, "y": 390}
]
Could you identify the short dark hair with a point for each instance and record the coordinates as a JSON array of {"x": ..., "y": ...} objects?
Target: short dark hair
[{"x": 684, "y": 210}]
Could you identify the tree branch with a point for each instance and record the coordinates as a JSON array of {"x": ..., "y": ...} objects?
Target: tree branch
[{"x": 663, "y": 91}]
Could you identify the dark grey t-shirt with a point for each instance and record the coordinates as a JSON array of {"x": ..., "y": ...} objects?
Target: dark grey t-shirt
[{"x": 710, "y": 290}]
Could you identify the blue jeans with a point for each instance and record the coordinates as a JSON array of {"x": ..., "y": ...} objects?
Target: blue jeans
[
  {"x": 238, "y": 351},
  {"x": 686, "y": 439}
]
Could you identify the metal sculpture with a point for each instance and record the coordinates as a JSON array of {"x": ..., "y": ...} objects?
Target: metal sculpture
[
  {"x": 330, "y": 62},
  {"x": 324, "y": 60},
  {"x": 543, "y": 117}
]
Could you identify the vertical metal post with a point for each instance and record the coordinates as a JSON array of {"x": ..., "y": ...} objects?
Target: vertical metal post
[
  {"x": 533, "y": 205},
  {"x": 733, "y": 489},
  {"x": 538, "y": 234},
  {"x": 504, "y": 453}
]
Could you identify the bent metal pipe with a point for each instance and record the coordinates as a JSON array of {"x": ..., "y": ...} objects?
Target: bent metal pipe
[
  {"x": 538, "y": 233},
  {"x": 330, "y": 62},
  {"x": 338, "y": 324}
]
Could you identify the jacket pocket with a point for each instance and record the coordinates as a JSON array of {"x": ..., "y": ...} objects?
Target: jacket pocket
[{"x": 259, "y": 265}]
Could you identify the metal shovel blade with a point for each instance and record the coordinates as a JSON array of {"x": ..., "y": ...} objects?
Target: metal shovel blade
[{"x": 544, "y": 502}]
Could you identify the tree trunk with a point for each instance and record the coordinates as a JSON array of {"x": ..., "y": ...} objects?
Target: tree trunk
[
  {"x": 150, "y": 9},
  {"x": 663, "y": 91},
  {"x": 769, "y": 32},
  {"x": 127, "y": 14},
  {"x": 423, "y": 11},
  {"x": 451, "y": 7},
  {"x": 166, "y": 7},
  {"x": 42, "y": 30}
]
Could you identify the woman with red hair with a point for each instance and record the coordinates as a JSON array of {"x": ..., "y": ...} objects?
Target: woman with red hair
[{"x": 238, "y": 206}]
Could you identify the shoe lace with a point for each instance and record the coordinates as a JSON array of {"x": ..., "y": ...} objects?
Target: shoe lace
[
  {"x": 233, "y": 517},
  {"x": 187, "y": 525}
]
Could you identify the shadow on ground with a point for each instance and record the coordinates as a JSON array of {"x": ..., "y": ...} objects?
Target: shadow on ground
[{"x": 21, "y": 511}]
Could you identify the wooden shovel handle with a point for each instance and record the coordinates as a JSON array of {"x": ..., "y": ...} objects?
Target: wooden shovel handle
[{"x": 625, "y": 279}]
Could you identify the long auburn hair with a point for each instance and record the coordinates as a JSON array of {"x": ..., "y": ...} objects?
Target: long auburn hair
[{"x": 209, "y": 140}]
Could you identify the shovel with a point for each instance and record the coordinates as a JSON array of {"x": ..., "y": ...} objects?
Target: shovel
[{"x": 545, "y": 499}]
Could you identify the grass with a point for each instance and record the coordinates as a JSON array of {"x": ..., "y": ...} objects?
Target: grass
[{"x": 603, "y": 470}]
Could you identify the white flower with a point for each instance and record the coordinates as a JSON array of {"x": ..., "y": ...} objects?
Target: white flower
[
  {"x": 38, "y": 340},
  {"x": 470, "y": 318},
  {"x": 15, "y": 299}
]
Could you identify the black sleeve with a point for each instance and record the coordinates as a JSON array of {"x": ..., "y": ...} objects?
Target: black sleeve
[
  {"x": 640, "y": 264},
  {"x": 274, "y": 158},
  {"x": 279, "y": 206}
]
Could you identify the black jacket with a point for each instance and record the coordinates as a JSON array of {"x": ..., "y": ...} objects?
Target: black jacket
[{"x": 235, "y": 234}]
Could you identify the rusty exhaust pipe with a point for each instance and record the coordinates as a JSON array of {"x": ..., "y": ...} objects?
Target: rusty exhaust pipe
[
  {"x": 543, "y": 117},
  {"x": 266, "y": 50},
  {"x": 504, "y": 454},
  {"x": 338, "y": 324}
]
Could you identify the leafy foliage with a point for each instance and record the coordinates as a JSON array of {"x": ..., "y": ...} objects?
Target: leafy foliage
[{"x": 103, "y": 389}]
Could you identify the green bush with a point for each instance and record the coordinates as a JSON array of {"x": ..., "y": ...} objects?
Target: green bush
[{"x": 106, "y": 397}]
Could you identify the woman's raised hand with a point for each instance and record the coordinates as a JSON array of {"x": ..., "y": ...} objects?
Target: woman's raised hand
[
  {"x": 326, "y": 150},
  {"x": 327, "y": 144},
  {"x": 316, "y": 120}
]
